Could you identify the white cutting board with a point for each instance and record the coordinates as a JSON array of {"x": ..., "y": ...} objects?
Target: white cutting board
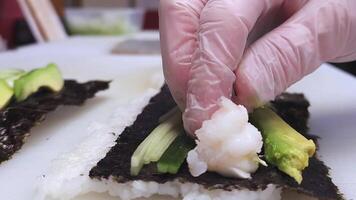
[{"x": 331, "y": 92}]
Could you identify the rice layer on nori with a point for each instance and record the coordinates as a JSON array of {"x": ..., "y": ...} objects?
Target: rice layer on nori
[
  {"x": 18, "y": 118},
  {"x": 293, "y": 108}
]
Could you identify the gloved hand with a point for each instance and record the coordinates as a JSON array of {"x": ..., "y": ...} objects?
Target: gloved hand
[{"x": 250, "y": 51}]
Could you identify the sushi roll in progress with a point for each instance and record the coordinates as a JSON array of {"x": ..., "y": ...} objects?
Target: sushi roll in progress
[{"x": 102, "y": 162}]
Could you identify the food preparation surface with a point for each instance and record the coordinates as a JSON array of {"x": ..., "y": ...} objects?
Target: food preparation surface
[{"x": 331, "y": 92}]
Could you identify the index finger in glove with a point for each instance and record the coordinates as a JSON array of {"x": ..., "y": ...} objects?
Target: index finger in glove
[
  {"x": 179, "y": 23},
  {"x": 221, "y": 38}
]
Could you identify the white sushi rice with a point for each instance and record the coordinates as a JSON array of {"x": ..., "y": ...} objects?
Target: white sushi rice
[{"x": 69, "y": 175}]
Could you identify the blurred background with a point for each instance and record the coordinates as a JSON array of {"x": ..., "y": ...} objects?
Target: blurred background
[{"x": 80, "y": 17}]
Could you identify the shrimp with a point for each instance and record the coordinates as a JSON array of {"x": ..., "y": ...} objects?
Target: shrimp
[{"x": 227, "y": 143}]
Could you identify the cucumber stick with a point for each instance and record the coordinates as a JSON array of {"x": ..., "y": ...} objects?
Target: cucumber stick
[
  {"x": 152, "y": 148},
  {"x": 175, "y": 155},
  {"x": 168, "y": 114}
]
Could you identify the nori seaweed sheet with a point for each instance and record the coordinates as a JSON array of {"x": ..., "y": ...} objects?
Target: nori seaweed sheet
[
  {"x": 292, "y": 107},
  {"x": 17, "y": 119}
]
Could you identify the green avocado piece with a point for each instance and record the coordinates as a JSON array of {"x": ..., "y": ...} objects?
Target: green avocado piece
[
  {"x": 10, "y": 75},
  {"x": 6, "y": 93},
  {"x": 284, "y": 147},
  {"x": 49, "y": 77}
]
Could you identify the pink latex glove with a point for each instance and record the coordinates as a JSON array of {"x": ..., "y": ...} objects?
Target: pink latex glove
[{"x": 253, "y": 48}]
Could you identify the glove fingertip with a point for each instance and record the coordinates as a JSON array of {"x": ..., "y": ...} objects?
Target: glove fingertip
[{"x": 246, "y": 93}]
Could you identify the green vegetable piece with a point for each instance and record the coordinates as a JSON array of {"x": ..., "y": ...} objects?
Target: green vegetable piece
[
  {"x": 284, "y": 147},
  {"x": 6, "y": 93},
  {"x": 49, "y": 77},
  {"x": 168, "y": 114},
  {"x": 157, "y": 142},
  {"x": 175, "y": 155},
  {"x": 10, "y": 75}
]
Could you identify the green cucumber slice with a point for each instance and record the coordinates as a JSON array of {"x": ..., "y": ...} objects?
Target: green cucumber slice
[
  {"x": 175, "y": 155},
  {"x": 157, "y": 142}
]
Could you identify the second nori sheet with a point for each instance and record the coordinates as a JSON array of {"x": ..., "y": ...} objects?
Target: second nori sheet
[
  {"x": 291, "y": 107},
  {"x": 17, "y": 119}
]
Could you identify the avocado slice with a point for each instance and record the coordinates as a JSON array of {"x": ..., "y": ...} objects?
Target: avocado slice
[
  {"x": 49, "y": 77},
  {"x": 10, "y": 75},
  {"x": 6, "y": 93},
  {"x": 284, "y": 147}
]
